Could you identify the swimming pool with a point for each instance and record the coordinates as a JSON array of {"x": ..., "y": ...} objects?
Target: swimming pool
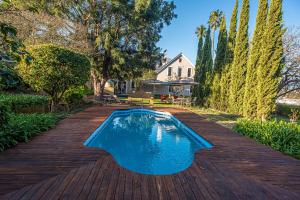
[{"x": 147, "y": 141}]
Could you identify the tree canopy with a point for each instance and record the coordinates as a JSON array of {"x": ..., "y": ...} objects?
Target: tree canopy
[
  {"x": 122, "y": 35},
  {"x": 53, "y": 69}
]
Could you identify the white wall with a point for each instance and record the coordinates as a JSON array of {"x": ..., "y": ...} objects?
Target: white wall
[{"x": 184, "y": 64}]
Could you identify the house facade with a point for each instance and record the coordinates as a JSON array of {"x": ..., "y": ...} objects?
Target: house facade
[{"x": 175, "y": 76}]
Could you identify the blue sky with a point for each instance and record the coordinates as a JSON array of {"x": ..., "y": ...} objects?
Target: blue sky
[{"x": 180, "y": 35}]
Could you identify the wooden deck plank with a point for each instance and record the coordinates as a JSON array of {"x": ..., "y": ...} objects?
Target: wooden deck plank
[{"x": 56, "y": 165}]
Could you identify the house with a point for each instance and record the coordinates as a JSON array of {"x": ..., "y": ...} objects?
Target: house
[{"x": 174, "y": 76}]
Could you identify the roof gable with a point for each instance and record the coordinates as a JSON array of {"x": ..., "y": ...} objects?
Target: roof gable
[{"x": 162, "y": 68}]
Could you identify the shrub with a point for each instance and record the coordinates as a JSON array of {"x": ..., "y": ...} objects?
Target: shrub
[
  {"x": 54, "y": 70},
  {"x": 18, "y": 101},
  {"x": 74, "y": 95},
  {"x": 4, "y": 115},
  {"x": 286, "y": 110},
  {"x": 280, "y": 135},
  {"x": 8, "y": 78},
  {"x": 21, "y": 127}
]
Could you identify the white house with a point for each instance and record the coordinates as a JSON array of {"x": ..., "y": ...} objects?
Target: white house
[{"x": 174, "y": 76}]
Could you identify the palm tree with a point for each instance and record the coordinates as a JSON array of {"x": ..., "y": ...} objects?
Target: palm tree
[
  {"x": 200, "y": 32},
  {"x": 214, "y": 22}
]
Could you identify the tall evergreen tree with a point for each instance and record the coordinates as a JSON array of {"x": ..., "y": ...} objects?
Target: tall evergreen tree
[
  {"x": 205, "y": 70},
  {"x": 215, "y": 100},
  {"x": 214, "y": 23},
  {"x": 226, "y": 73},
  {"x": 239, "y": 66},
  {"x": 250, "y": 98},
  {"x": 271, "y": 63},
  {"x": 200, "y": 32}
]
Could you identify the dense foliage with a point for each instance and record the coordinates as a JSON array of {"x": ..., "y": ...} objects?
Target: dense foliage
[
  {"x": 239, "y": 65},
  {"x": 200, "y": 32},
  {"x": 226, "y": 73},
  {"x": 4, "y": 115},
  {"x": 18, "y": 101},
  {"x": 215, "y": 100},
  {"x": 74, "y": 95},
  {"x": 271, "y": 63},
  {"x": 286, "y": 110},
  {"x": 122, "y": 35},
  {"x": 204, "y": 70},
  {"x": 21, "y": 127},
  {"x": 281, "y": 136},
  {"x": 250, "y": 98},
  {"x": 54, "y": 70}
]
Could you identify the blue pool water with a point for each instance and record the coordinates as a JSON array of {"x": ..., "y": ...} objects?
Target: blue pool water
[{"x": 147, "y": 142}]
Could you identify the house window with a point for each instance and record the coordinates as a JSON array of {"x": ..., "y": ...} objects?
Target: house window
[
  {"x": 171, "y": 90},
  {"x": 170, "y": 71},
  {"x": 179, "y": 71},
  {"x": 189, "y": 72}
]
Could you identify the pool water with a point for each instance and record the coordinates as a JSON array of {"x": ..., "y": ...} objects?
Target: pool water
[{"x": 148, "y": 142}]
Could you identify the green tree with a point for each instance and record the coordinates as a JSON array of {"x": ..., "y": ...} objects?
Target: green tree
[
  {"x": 271, "y": 62},
  {"x": 215, "y": 100},
  {"x": 250, "y": 98},
  {"x": 226, "y": 73},
  {"x": 54, "y": 70},
  {"x": 239, "y": 66},
  {"x": 205, "y": 71},
  {"x": 200, "y": 32},
  {"x": 122, "y": 35},
  {"x": 214, "y": 23}
]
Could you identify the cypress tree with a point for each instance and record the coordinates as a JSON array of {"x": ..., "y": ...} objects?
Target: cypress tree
[
  {"x": 271, "y": 63},
  {"x": 200, "y": 33},
  {"x": 215, "y": 100},
  {"x": 205, "y": 70},
  {"x": 250, "y": 98},
  {"x": 239, "y": 66},
  {"x": 226, "y": 73}
]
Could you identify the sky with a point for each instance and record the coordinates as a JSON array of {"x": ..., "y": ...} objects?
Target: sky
[{"x": 180, "y": 35}]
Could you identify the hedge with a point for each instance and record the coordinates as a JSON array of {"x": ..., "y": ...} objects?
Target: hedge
[
  {"x": 280, "y": 135},
  {"x": 17, "y": 102}
]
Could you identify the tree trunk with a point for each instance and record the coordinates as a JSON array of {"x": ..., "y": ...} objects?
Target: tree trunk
[
  {"x": 102, "y": 87},
  {"x": 96, "y": 85},
  {"x": 54, "y": 104}
]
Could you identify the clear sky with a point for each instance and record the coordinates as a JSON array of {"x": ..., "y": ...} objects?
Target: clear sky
[{"x": 180, "y": 35}]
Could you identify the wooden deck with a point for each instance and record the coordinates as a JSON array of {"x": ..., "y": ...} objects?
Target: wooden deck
[{"x": 56, "y": 165}]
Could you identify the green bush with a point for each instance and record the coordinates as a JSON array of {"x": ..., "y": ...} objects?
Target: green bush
[
  {"x": 280, "y": 135},
  {"x": 285, "y": 109},
  {"x": 22, "y": 127},
  {"x": 4, "y": 115},
  {"x": 19, "y": 101},
  {"x": 54, "y": 70},
  {"x": 74, "y": 95}
]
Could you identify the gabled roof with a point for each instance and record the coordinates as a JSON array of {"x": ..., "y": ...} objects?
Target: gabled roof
[{"x": 163, "y": 67}]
